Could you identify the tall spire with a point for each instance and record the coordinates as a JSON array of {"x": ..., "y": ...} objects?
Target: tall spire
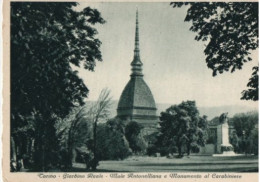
[
  {"x": 136, "y": 63},
  {"x": 136, "y": 35}
]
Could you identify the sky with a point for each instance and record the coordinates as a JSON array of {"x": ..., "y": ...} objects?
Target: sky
[{"x": 174, "y": 64}]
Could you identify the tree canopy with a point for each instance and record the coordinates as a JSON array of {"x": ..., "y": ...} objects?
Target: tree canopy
[
  {"x": 182, "y": 128},
  {"x": 245, "y": 137},
  {"x": 252, "y": 92},
  {"x": 133, "y": 134},
  {"x": 46, "y": 39},
  {"x": 230, "y": 33},
  {"x": 244, "y": 123},
  {"x": 111, "y": 141}
]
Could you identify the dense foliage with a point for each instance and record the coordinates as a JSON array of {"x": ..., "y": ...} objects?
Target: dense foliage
[
  {"x": 244, "y": 123},
  {"x": 134, "y": 136},
  {"x": 46, "y": 38},
  {"x": 230, "y": 33},
  {"x": 111, "y": 141},
  {"x": 252, "y": 92},
  {"x": 245, "y": 137},
  {"x": 77, "y": 133},
  {"x": 182, "y": 129}
]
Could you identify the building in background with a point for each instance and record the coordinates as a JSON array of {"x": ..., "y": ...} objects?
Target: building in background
[{"x": 136, "y": 102}]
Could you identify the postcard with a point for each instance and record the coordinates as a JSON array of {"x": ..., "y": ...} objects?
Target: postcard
[{"x": 130, "y": 91}]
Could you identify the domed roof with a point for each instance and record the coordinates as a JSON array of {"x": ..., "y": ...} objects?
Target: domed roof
[
  {"x": 136, "y": 99},
  {"x": 136, "y": 94}
]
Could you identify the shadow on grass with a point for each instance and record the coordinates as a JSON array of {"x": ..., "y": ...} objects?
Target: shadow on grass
[
  {"x": 191, "y": 164},
  {"x": 211, "y": 158},
  {"x": 242, "y": 169},
  {"x": 76, "y": 169}
]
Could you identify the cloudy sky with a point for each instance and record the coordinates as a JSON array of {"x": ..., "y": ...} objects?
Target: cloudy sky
[{"x": 174, "y": 63}]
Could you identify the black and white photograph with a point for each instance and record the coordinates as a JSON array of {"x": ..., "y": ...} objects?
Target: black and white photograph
[{"x": 133, "y": 87}]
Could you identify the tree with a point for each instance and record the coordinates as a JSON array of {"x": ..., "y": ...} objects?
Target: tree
[
  {"x": 78, "y": 130},
  {"x": 111, "y": 141},
  {"x": 182, "y": 128},
  {"x": 72, "y": 132},
  {"x": 25, "y": 138},
  {"x": 244, "y": 123},
  {"x": 252, "y": 92},
  {"x": 111, "y": 144},
  {"x": 246, "y": 131},
  {"x": 254, "y": 139},
  {"x": 234, "y": 140},
  {"x": 46, "y": 39},
  {"x": 202, "y": 131},
  {"x": 230, "y": 33},
  {"x": 133, "y": 133},
  {"x": 98, "y": 111}
]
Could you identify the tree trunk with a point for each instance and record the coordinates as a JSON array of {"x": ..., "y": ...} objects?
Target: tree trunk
[
  {"x": 69, "y": 162},
  {"x": 43, "y": 156},
  {"x": 188, "y": 148},
  {"x": 37, "y": 156},
  {"x": 95, "y": 140},
  {"x": 70, "y": 144},
  {"x": 40, "y": 139},
  {"x": 179, "y": 150},
  {"x": 95, "y": 160},
  {"x": 13, "y": 149}
]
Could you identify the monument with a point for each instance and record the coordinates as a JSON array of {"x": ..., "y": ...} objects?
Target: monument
[
  {"x": 224, "y": 148},
  {"x": 136, "y": 102}
]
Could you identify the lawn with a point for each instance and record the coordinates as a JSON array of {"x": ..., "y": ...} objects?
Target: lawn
[{"x": 185, "y": 164}]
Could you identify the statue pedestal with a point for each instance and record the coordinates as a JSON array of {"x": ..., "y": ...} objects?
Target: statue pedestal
[
  {"x": 224, "y": 148},
  {"x": 227, "y": 150}
]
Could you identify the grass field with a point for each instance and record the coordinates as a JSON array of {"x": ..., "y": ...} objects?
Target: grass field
[{"x": 185, "y": 164}]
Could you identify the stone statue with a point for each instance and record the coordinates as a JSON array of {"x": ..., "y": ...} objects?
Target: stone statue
[
  {"x": 223, "y": 118},
  {"x": 224, "y": 148}
]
